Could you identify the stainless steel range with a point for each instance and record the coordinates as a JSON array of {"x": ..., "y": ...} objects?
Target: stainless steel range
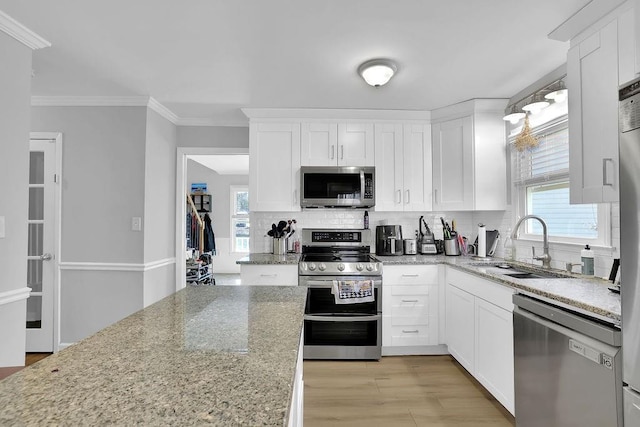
[{"x": 333, "y": 328}]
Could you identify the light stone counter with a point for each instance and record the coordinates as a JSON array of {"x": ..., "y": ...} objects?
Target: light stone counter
[
  {"x": 269, "y": 259},
  {"x": 216, "y": 355},
  {"x": 585, "y": 294}
]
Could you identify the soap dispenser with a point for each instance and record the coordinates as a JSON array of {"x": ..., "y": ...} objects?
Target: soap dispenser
[{"x": 587, "y": 257}]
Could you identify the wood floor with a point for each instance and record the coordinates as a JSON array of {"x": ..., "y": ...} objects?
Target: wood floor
[
  {"x": 29, "y": 359},
  {"x": 432, "y": 391}
]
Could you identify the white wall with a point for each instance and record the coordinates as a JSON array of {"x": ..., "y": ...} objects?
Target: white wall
[
  {"x": 219, "y": 188},
  {"x": 213, "y": 136},
  {"x": 15, "y": 90}
]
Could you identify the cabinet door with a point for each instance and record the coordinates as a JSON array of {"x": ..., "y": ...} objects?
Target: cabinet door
[
  {"x": 274, "y": 172},
  {"x": 592, "y": 80},
  {"x": 389, "y": 162},
  {"x": 417, "y": 168},
  {"x": 453, "y": 164},
  {"x": 460, "y": 326},
  {"x": 355, "y": 144},
  {"x": 319, "y": 144},
  {"x": 494, "y": 351}
]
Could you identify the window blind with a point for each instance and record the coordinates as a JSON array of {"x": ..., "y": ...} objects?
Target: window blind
[{"x": 549, "y": 161}]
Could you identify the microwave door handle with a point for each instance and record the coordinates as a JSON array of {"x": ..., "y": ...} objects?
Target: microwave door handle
[{"x": 362, "y": 185}]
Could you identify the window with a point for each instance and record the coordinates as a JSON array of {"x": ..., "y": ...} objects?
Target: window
[
  {"x": 240, "y": 225},
  {"x": 541, "y": 180}
]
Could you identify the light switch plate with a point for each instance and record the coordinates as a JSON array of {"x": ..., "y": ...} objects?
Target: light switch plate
[
  {"x": 2, "y": 232},
  {"x": 136, "y": 223}
]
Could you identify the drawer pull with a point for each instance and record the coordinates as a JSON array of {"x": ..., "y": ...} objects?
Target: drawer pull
[
  {"x": 268, "y": 275},
  {"x": 415, "y": 331},
  {"x": 409, "y": 275},
  {"x": 409, "y": 300}
]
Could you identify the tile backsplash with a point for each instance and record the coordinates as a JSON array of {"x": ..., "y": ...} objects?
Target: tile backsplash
[{"x": 466, "y": 223}]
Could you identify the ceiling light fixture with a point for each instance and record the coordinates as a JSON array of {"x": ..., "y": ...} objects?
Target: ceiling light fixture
[
  {"x": 559, "y": 93},
  {"x": 377, "y": 72},
  {"x": 514, "y": 116},
  {"x": 536, "y": 105}
]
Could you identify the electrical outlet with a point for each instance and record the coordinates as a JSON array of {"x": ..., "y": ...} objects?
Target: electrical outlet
[{"x": 136, "y": 223}]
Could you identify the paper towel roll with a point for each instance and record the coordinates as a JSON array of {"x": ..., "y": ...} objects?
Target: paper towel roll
[{"x": 482, "y": 240}]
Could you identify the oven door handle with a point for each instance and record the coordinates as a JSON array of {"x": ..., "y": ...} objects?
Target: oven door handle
[
  {"x": 329, "y": 283},
  {"x": 342, "y": 318}
]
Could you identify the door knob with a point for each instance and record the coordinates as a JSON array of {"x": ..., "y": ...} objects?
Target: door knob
[{"x": 46, "y": 257}]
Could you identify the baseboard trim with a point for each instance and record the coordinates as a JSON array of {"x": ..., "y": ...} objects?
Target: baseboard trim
[
  {"x": 64, "y": 345},
  {"x": 111, "y": 266},
  {"x": 14, "y": 295},
  {"x": 421, "y": 350}
]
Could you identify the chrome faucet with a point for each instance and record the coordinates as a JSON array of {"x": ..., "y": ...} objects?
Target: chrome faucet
[{"x": 545, "y": 258}]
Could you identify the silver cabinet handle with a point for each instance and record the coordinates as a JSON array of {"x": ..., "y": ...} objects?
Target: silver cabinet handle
[
  {"x": 415, "y": 331},
  {"x": 268, "y": 275},
  {"x": 435, "y": 196},
  {"x": 46, "y": 257},
  {"x": 333, "y": 149},
  {"x": 409, "y": 300},
  {"x": 342, "y": 152},
  {"x": 407, "y": 198},
  {"x": 399, "y": 196},
  {"x": 605, "y": 180},
  {"x": 409, "y": 275},
  {"x": 295, "y": 196}
]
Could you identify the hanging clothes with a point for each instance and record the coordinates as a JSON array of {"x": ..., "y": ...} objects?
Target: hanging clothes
[{"x": 209, "y": 236}]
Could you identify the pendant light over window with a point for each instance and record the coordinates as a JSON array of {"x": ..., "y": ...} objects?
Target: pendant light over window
[
  {"x": 514, "y": 116},
  {"x": 377, "y": 72},
  {"x": 537, "y": 104}
]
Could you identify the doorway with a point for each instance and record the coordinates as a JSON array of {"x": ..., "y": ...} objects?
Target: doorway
[
  {"x": 43, "y": 253},
  {"x": 218, "y": 160}
]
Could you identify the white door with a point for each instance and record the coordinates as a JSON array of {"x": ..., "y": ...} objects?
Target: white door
[{"x": 41, "y": 235}]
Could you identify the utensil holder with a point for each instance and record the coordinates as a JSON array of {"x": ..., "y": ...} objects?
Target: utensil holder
[
  {"x": 279, "y": 246},
  {"x": 451, "y": 247}
]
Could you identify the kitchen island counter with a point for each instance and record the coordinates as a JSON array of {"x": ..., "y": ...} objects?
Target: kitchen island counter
[{"x": 217, "y": 355}]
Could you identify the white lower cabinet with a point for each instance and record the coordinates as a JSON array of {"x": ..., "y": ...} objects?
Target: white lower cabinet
[
  {"x": 269, "y": 275},
  {"x": 296, "y": 410},
  {"x": 479, "y": 331},
  {"x": 410, "y": 302}
]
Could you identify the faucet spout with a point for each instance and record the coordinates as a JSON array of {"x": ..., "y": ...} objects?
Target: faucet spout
[{"x": 545, "y": 257}]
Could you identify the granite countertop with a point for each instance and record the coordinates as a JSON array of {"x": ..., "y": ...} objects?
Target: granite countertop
[
  {"x": 585, "y": 294},
  {"x": 217, "y": 355},
  {"x": 269, "y": 259}
]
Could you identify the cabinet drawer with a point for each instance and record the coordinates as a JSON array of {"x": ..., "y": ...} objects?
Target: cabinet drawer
[
  {"x": 411, "y": 274},
  {"x": 398, "y": 290},
  {"x": 409, "y": 309},
  {"x": 269, "y": 275},
  {"x": 410, "y": 335}
]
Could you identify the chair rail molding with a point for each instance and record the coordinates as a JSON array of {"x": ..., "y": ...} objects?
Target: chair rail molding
[
  {"x": 14, "y": 295},
  {"x": 116, "y": 266}
]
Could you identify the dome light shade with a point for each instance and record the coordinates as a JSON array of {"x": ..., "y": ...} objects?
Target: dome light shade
[
  {"x": 536, "y": 105},
  {"x": 557, "y": 95},
  {"x": 377, "y": 72},
  {"x": 514, "y": 116}
]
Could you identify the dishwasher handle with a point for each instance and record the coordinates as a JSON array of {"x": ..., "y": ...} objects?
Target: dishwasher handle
[{"x": 592, "y": 328}]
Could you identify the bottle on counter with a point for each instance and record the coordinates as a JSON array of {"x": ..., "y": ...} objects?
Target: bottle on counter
[
  {"x": 366, "y": 220},
  {"x": 509, "y": 249},
  {"x": 587, "y": 257}
]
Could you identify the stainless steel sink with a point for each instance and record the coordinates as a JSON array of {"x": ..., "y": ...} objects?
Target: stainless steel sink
[{"x": 518, "y": 271}]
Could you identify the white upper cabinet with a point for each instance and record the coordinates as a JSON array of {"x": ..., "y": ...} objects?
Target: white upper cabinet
[
  {"x": 274, "y": 167},
  {"x": 592, "y": 80},
  {"x": 403, "y": 167},
  {"x": 337, "y": 144},
  {"x": 469, "y": 156}
]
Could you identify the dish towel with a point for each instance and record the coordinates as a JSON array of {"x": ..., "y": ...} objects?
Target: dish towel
[{"x": 353, "y": 291}]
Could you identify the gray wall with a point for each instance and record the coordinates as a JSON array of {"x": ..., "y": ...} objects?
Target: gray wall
[
  {"x": 213, "y": 136},
  {"x": 103, "y": 181},
  {"x": 15, "y": 98}
]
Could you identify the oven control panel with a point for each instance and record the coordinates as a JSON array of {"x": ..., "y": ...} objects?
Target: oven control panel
[{"x": 336, "y": 236}]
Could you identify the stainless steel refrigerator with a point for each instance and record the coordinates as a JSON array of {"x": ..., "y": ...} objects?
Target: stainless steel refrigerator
[{"x": 629, "y": 122}]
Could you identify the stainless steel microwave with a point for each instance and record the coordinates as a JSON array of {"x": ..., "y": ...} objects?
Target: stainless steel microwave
[{"x": 337, "y": 186}]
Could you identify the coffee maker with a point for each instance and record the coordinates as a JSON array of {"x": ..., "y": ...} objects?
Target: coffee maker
[{"x": 388, "y": 240}]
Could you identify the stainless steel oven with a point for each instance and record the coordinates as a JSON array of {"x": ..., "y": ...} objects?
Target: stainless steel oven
[{"x": 334, "y": 330}]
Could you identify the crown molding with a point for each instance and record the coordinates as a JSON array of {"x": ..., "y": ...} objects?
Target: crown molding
[
  {"x": 21, "y": 33},
  {"x": 335, "y": 114},
  {"x": 584, "y": 18},
  {"x": 211, "y": 122},
  {"x": 163, "y": 111}
]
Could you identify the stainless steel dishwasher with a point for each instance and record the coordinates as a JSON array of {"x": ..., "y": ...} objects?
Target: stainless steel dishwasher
[{"x": 568, "y": 367}]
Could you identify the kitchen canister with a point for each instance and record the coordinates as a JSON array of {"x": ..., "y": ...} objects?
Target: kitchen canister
[
  {"x": 410, "y": 246},
  {"x": 279, "y": 246},
  {"x": 451, "y": 247}
]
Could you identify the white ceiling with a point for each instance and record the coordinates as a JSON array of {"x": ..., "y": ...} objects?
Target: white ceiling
[
  {"x": 206, "y": 59},
  {"x": 224, "y": 164}
]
